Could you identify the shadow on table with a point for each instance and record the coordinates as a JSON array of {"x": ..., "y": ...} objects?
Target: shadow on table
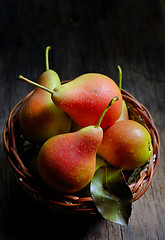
[{"x": 25, "y": 218}]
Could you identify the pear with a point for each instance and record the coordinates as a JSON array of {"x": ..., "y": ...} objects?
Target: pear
[
  {"x": 124, "y": 112},
  {"x": 126, "y": 144},
  {"x": 67, "y": 162},
  {"x": 39, "y": 118},
  {"x": 85, "y": 192},
  {"x": 86, "y": 97}
]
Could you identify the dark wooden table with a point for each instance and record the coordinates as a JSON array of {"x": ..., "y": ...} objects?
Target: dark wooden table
[{"x": 86, "y": 36}]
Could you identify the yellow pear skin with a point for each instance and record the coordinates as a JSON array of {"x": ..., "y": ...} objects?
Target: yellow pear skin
[
  {"x": 126, "y": 145},
  {"x": 124, "y": 113}
]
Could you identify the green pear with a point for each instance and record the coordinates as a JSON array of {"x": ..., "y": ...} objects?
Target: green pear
[
  {"x": 86, "y": 97},
  {"x": 67, "y": 162},
  {"x": 39, "y": 118},
  {"x": 126, "y": 144}
]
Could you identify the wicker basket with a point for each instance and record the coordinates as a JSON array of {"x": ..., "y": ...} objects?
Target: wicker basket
[{"x": 140, "y": 182}]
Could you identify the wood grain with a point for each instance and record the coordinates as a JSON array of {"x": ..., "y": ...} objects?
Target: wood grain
[{"x": 86, "y": 36}]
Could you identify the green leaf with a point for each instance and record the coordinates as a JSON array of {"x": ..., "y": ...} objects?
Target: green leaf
[{"x": 111, "y": 195}]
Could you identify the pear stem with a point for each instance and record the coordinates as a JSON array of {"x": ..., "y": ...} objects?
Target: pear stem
[
  {"x": 106, "y": 109},
  {"x": 46, "y": 57},
  {"x": 35, "y": 84},
  {"x": 120, "y": 77}
]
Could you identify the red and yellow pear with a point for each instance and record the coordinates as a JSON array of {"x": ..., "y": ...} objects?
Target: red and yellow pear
[
  {"x": 39, "y": 118},
  {"x": 85, "y": 98},
  {"x": 67, "y": 162},
  {"x": 126, "y": 144}
]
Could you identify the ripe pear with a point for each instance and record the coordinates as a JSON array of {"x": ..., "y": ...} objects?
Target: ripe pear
[
  {"x": 86, "y": 97},
  {"x": 67, "y": 162},
  {"x": 124, "y": 113},
  {"x": 126, "y": 145},
  {"x": 85, "y": 192},
  {"x": 39, "y": 118}
]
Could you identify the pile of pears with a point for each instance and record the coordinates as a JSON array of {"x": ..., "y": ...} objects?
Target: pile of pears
[{"x": 78, "y": 123}]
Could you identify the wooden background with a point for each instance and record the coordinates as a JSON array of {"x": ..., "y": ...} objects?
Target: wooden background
[{"x": 86, "y": 36}]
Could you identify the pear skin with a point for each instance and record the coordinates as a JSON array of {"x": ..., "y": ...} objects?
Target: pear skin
[
  {"x": 67, "y": 162},
  {"x": 124, "y": 113},
  {"x": 126, "y": 144},
  {"x": 85, "y": 98},
  {"x": 39, "y": 118}
]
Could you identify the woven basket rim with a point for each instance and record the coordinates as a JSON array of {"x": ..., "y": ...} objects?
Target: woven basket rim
[{"x": 77, "y": 203}]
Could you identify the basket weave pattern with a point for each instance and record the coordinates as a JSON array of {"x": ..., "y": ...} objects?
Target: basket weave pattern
[{"x": 73, "y": 202}]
